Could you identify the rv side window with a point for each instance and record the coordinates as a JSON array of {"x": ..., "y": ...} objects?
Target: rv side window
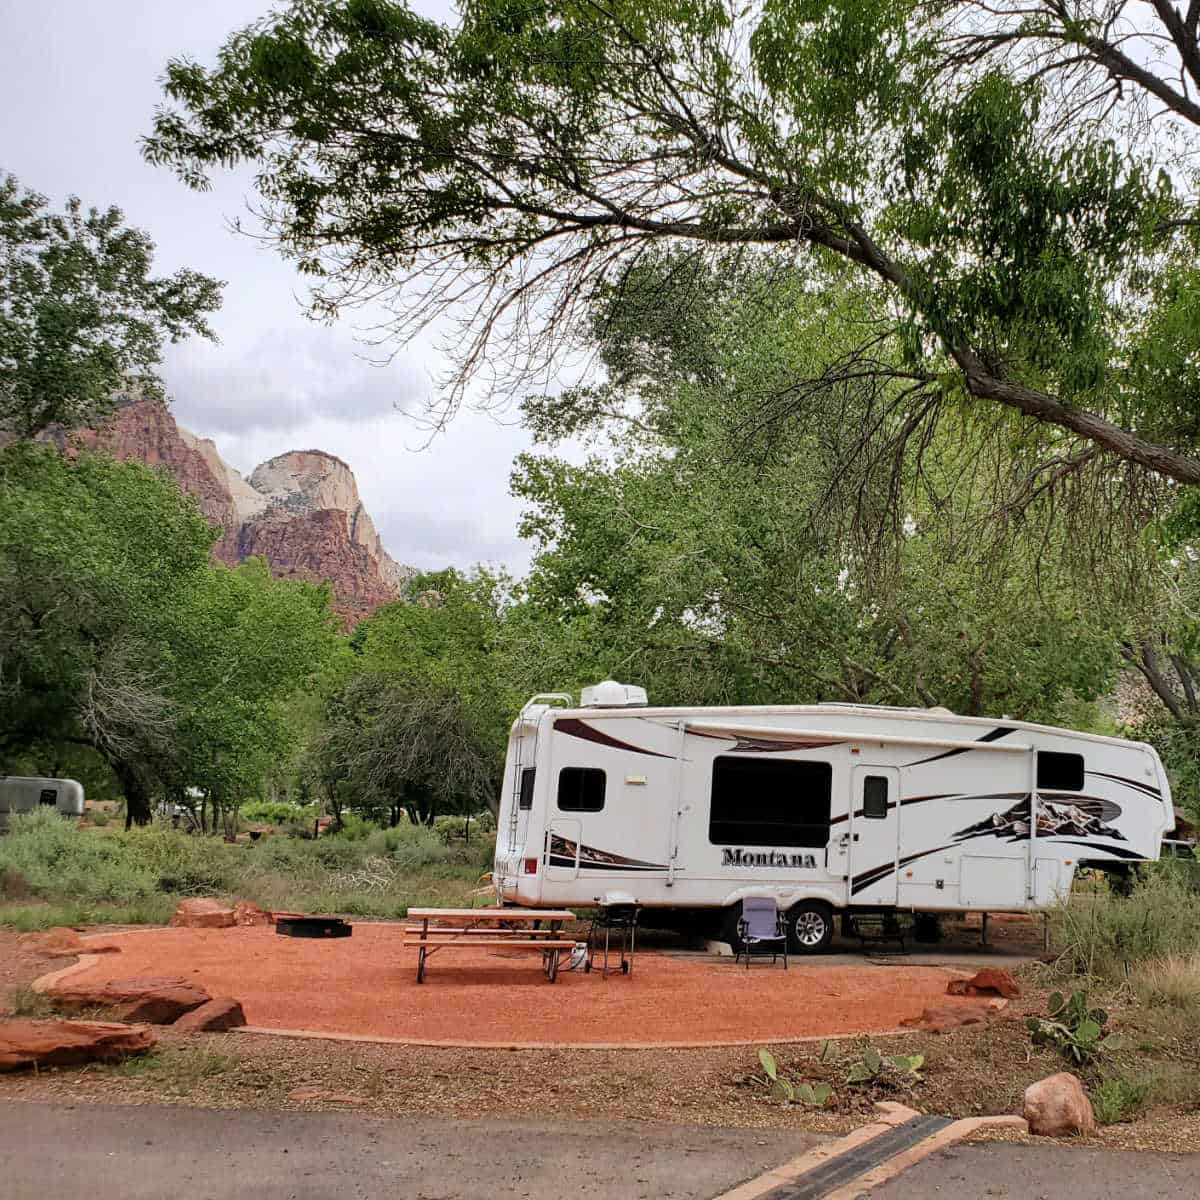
[
  {"x": 527, "y": 775},
  {"x": 762, "y": 803},
  {"x": 580, "y": 789},
  {"x": 875, "y": 792},
  {"x": 1059, "y": 772},
  {"x": 49, "y": 796}
]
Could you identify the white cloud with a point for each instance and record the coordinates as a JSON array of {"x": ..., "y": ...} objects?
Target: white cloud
[{"x": 285, "y": 377}]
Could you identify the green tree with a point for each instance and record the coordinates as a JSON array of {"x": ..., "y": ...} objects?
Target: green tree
[
  {"x": 118, "y": 634},
  {"x": 81, "y": 315},
  {"x": 388, "y": 746},
  {"x": 1013, "y": 181},
  {"x": 722, "y": 566},
  {"x": 242, "y": 645},
  {"x": 92, "y": 552}
]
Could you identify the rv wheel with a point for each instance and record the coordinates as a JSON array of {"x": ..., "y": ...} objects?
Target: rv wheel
[
  {"x": 809, "y": 927},
  {"x": 729, "y": 927}
]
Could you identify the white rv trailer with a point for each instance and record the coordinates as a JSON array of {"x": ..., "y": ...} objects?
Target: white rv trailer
[
  {"x": 22, "y": 794},
  {"x": 828, "y": 808}
]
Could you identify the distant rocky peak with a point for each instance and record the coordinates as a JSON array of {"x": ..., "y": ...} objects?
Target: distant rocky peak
[{"x": 300, "y": 511}]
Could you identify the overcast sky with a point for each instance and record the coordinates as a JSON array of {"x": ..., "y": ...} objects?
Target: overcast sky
[{"x": 78, "y": 87}]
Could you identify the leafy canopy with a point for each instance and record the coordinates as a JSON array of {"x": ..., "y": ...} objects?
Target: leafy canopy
[
  {"x": 720, "y": 567},
  {"x": 1011, "y": 179},
  {"x": 81, "y": 315}
]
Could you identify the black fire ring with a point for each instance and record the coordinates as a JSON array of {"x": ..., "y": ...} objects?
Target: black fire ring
[{"x": 312, "y": 927}]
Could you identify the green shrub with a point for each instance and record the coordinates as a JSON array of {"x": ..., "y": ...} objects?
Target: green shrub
[
  {"x": 25, "y": 1002},
  {"x": 98, "y": 817},
  {"x": 1119, "y": 1098},
  {"x": 1105, "y": 935},
  {"x": 354, "y": 828},
  {"x": 277, "y": 812},
  {"x": 184, "y": 865},
  {"x": 56, "y": 858},
  {"x": 14, "y": 885}
]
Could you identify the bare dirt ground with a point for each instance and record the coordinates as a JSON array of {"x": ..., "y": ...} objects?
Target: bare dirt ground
[
  {"x": 365, "y": 985},
  {"x": 972, "y": 1071}
]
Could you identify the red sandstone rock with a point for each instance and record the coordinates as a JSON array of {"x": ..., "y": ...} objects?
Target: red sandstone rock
[
  {"x": 300, "y": 511},
  {"x": 246, "y": 912},
  {"x": 146, "y": 431},
  {"x": 61, "y": 942},
  {"x": 998, "y": 980},
  {"x": 990, "y": 979},
  {"x": 26, "y": 1043},
  {"x": 1057, "y": 1106},
  {"x": 215, "y": 1016},
  {"x": 942, "y": 1020},
  {"x": 203, "y": 914},
  {"x": 156, "y": 1001}
]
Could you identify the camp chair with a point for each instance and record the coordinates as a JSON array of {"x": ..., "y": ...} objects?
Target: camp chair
[{"x": 761, "y": 924}]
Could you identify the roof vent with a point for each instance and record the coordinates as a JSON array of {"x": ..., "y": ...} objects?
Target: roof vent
[{"x": 611, "y": 694}]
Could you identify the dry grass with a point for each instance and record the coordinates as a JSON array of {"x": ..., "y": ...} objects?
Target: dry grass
[
  {"x": 23, "y": 1001},
  {"x": 1173, "y": 982}
]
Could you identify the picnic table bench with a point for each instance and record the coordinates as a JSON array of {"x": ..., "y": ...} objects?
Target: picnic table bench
[{"x": 513, "y": 928}]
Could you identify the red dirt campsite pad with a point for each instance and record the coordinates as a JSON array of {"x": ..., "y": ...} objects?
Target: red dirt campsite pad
[{"x": 365, "y": 986}]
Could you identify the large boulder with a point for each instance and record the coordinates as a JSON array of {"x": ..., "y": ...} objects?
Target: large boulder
[
  {"x": 203, "y": 913},
  {"x": 215, "y": 1016},
  {"x": 1057, "y": 1106},
  {"x": 991, "y": 980},
  {"x": 25, "y": 1043},
  {"x": 61, "y": 942},
  {"x": 157, "y": 1001}
]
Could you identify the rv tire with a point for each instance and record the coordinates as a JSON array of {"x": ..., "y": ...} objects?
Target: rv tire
[
  {"x": 809, "y": 927},
  {"x": 729, "y": 927}
]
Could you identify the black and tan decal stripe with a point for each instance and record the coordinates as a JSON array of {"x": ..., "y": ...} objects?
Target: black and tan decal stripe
[
  {"x": 992, "y": 735},
  {"x": 1137, "y": 785},
  {"x": 574, "y": 727},
  {"x": 562, "y": 854}
]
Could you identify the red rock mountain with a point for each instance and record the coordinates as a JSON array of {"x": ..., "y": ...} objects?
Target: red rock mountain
[{"x": 301, "y": 511}]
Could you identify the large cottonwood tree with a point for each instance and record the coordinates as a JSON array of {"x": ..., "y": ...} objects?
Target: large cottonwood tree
[{"x": 1014, "y": 178}]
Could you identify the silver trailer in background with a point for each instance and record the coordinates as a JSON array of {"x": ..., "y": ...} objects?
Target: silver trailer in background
[{"x": 22, "y": 794}]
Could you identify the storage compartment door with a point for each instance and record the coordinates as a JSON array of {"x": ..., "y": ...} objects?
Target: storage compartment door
[
  {"x": 1052, "y": 881},
  {"x": 993, "y": 882}
]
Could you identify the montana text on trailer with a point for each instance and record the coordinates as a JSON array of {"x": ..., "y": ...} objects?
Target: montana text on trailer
[{"x": 828, "y": 808}]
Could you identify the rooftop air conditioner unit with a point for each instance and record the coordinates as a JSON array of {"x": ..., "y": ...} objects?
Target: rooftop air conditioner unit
[{"x": 611, "y": 694}]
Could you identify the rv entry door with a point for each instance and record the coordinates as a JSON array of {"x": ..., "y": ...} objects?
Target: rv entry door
[{"x": 874, "y": 834}]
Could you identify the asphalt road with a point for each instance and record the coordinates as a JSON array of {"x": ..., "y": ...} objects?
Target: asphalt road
[
  {"x": 115, "y": 1152},
  {"x": 1053, "y": 1172}
]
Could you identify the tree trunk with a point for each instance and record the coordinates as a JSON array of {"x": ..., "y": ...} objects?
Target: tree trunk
[{"x": 137, "y": 799}]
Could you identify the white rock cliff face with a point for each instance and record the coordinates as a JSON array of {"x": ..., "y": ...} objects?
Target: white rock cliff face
[{"x": 306, "y": 481}]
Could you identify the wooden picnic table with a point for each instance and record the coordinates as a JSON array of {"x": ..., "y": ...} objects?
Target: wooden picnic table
[{"x": 512, "y": 928}]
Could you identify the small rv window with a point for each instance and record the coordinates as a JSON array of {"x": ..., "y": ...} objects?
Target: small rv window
[
  {"x": 49, "y": 796},
  {"x": 1059, "y": 772},
  {"x": 527, "y": 776},
  {"x": 580, "y": 789},
  {"x": 760, "y": 802},
  {"x": 875, "y": 797}
]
